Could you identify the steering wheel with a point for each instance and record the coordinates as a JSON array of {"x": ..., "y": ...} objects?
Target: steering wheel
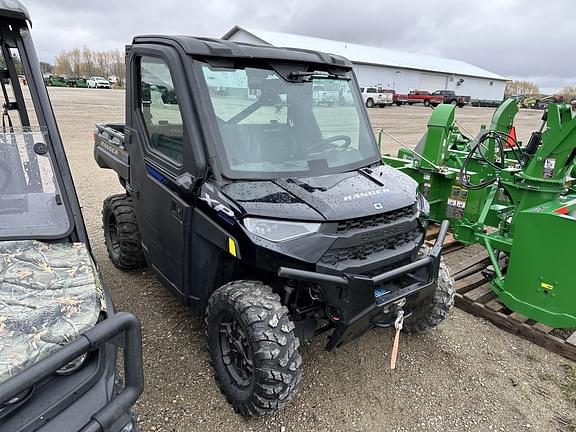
[{"x": 318, "y": 147}]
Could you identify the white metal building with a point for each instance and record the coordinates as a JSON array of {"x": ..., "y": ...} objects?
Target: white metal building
[{"x": 397, "y": 70}]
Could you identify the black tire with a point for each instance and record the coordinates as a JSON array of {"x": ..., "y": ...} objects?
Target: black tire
[
  {"x": 266, "y": 374},
  {"x": 454, "y": 102},
  {"x": 432, "y": 311},
  {"x": 121, "y": 233},
  {"x": 398, "y": 103},
  {"x": 369, "y": 103},
  {"x": 426, "y": 102},
  {"x": 460, "y": 105}
]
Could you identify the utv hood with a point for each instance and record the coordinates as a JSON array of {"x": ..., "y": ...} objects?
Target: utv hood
[{"x": 330, "y": 197}]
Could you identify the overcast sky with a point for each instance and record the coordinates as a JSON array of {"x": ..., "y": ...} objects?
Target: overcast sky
[{"x": 519, "y": 39}]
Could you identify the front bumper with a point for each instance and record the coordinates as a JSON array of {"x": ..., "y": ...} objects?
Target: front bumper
[
  {"x": 121, "y": 329},
  {"x": 355, "y": 295}
]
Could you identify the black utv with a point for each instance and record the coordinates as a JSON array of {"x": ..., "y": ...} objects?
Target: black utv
[
  {"x": 58, "y": 329},
  {"x": 268, "y": 213}
]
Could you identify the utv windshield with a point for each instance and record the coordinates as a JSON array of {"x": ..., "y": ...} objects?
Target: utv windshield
[
  {"x": 278, "y": 124},
  {"x": 30, "y": 202}
]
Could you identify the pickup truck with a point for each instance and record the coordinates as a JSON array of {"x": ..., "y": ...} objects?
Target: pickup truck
[
  {"x": 323, "y": 94},
  {"x": 375, "y": 96},
  {"x": 418, "y": 96},
  {"x": 450, "y": 97}
]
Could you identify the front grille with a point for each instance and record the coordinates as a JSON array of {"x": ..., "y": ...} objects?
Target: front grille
[
  {"x": 376, "y": 220},
  {"x": 363, "y": 251}
]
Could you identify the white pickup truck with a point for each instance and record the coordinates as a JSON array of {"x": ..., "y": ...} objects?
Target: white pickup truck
[
  {"x": 377, "y": 96},
  {"x": 325, "y": 94}
]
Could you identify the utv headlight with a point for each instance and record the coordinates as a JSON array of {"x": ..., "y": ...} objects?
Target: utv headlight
[
  {"x": 279, "y": 231},
  {"x": 423, "y": 205}
]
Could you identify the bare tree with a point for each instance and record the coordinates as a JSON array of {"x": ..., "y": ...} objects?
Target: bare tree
[
  {"x": 87, "y": 66},
  {"x": 101, "y": 63},
  {"x": 521, "y": 88},
  {"x": 568, "y": 93},
  {"x": 118, "y": 67},
  {"x": 45, "y": 67},
  {"x": 62, "y": 64},
  {"x": 76, "y": 62},
  {"x": 86, "y": 63}
]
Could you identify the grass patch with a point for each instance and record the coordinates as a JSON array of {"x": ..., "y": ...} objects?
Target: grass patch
[{"x": 563, "y": 333}]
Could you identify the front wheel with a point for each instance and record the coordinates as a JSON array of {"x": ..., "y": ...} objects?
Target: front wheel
[
  {"x": 370, "y": 103},
  {"x": 253, "y": 347},
  {"x": 434, "y": 309},
  {"x": 426, "y": 102}
]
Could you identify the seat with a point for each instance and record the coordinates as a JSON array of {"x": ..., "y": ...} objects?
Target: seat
[{"x": 49, "y": 295}]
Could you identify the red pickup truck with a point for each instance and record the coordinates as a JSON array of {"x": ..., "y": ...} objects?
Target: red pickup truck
[{"x": 418, "y": 96}]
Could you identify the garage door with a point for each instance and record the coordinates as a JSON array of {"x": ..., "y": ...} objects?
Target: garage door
[{"x": 432, "y": 82}]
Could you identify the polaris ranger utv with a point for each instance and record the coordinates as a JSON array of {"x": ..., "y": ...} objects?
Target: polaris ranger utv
[
  {"x": 58, "y": 328},
  {"x": 273, "y": 216}
]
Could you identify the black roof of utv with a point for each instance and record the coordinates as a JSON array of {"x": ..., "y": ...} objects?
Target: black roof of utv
[
  {"x": 208, "y": 47},
  {"x": 14, "y": 9}
]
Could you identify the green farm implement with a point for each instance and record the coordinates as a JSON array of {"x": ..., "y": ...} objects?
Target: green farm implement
[
  {"x": 517, "y": 201},
  {"x": 56, "y": 81}
]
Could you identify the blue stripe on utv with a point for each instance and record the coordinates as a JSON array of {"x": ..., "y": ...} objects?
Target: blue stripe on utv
[{"x": 155, "y": 174}]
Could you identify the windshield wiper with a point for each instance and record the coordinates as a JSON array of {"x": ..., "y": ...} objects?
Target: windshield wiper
[{"x": 309, "y": 76}]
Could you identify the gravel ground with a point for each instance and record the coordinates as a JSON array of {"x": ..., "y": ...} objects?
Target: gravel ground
[{"x": 467, "y": 375}]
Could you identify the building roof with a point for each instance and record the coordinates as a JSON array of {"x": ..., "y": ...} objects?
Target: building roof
[{"x": 370, "y": 55}]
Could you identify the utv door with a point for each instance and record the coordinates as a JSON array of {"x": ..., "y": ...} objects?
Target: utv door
[{"x": 160, "y": 160}]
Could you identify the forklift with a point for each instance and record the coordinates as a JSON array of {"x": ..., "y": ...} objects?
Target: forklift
[{"x": 59, "y": 332}]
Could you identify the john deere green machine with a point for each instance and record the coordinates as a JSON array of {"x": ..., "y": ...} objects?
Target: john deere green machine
[{"x": 517, "y": 201}]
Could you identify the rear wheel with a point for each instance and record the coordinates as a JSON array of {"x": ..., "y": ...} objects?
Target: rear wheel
[
  {"x": 370, "y": 103},
  {"x": 398, "y": 103},
  {"x": 121, "y": 233},
  {"x": 253, "y": 347},
  {"x": 434, "y": 309}
]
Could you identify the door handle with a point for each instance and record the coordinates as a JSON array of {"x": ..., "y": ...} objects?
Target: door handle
[{"x": 177, "y": 210}]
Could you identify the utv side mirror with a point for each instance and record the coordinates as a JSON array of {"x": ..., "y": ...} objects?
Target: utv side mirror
[{"x": 185, "y": 182}]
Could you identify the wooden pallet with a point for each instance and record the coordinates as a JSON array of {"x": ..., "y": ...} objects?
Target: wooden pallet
[{"x": 474, "y": 295}]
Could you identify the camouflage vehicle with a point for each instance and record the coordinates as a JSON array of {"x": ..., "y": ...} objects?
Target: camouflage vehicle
[{"x": 59, "y": 333}]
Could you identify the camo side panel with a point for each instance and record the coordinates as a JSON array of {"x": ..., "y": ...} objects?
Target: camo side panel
[{"x": 49, "y": 294}]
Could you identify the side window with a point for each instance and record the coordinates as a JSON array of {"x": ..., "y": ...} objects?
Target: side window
[
  {"x": 370, "y": 90},
  {"x": 160, "y": 109}
]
